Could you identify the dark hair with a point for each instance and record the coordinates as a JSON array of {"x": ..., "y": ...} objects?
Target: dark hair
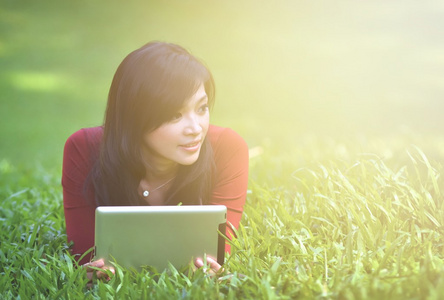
[{"x": 150, "y": 85}]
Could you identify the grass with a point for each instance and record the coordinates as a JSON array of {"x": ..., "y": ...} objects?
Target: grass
[{"x": 355, "y": 226}]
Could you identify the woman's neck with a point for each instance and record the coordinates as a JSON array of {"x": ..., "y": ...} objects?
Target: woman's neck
[
  {"x": 161, "y": 173},
  {"x": 157, "y": 168}
]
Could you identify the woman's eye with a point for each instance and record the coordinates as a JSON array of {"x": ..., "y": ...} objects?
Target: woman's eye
[
  {"x": 203, "y": 108},
  {"x": 176, "y": 117}
]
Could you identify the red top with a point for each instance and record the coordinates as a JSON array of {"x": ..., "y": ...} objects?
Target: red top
[{"x": 230, "y": 156}]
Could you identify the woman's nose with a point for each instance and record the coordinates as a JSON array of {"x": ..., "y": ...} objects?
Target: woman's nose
[{"x": 193, "y": 125}]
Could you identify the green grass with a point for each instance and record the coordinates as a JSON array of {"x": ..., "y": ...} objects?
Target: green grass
[{"x": 354, "y": 225}]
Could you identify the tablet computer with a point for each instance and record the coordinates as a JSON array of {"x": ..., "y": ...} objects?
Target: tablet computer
[{"x": 136, "y": 236}]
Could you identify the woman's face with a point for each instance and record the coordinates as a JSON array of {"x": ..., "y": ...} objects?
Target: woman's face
[{"x": 179, "y": 140}]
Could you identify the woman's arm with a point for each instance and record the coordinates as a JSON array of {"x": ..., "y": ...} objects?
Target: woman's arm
[
  {"x": 79, "y": 211},
  {"x": 230, "y": 189}
]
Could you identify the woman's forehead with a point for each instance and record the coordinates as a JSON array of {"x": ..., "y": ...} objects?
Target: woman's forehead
[{"x": 199, "y": 96}]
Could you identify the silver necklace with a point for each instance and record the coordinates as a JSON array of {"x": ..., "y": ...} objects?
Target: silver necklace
[{"x": 146, "y": 193}]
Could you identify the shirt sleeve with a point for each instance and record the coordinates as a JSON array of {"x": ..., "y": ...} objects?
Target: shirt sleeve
[
  {"x": 79, "y": 212},
  {"x": 230, "y": 188}
]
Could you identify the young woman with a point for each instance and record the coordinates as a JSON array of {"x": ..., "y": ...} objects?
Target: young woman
[{"x": 156, "y": 146}]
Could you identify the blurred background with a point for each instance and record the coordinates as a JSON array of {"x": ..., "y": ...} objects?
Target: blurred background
[{"x": 283, "y": 69}]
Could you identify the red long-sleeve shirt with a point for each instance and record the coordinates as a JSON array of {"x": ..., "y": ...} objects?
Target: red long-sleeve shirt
[{"x": 81, "y": 148}]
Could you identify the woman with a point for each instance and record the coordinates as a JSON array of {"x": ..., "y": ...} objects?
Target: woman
[{"x": 156, "y": 146}]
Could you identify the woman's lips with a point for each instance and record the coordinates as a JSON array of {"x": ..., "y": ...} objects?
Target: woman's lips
[{"x": 191, "y": 147}]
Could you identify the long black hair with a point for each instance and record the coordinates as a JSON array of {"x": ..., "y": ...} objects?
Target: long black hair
[{"x": 150, "y": 85}]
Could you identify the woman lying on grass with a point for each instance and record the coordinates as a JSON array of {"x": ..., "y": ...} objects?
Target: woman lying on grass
[{"x": 156, "y": 147}]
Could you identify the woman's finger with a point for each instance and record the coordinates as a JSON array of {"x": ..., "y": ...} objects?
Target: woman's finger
[
  {"x": 100, "y": 263},
  {"x": 214, "y": 265},
  {"x": 90, "y": 275},
  {"x": 104, "y": 274},
  {"x": 91, "y": 269}
]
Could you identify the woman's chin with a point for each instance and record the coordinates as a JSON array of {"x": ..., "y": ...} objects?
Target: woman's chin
[{"x": 191, "y": 159}]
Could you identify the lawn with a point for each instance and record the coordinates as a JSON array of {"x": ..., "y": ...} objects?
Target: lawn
[{"x": 339, "y": 105}]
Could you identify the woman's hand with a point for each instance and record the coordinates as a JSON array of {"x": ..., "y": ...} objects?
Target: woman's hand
[
  {"x": 92, "y": 272},
  {"x": 214, "y": 267}
]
